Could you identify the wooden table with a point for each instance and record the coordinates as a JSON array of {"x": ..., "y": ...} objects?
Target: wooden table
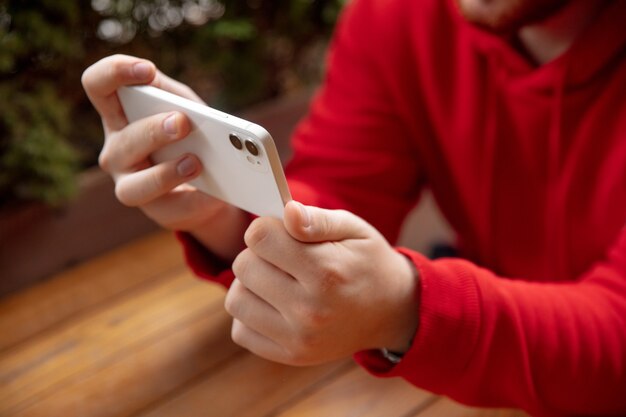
[{"x": 133, "y": 333}]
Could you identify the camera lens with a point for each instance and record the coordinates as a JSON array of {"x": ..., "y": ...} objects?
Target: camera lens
[
  {"x": 236, "y": 142},
  {"x": 251, "y": 147}
]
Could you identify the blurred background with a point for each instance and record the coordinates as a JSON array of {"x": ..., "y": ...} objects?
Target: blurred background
[
  {"x": 233, "y": 53},
  {"x": 57, "y": 209}
]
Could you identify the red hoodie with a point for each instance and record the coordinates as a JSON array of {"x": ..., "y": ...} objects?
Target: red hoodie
[{"x": 527, "y": 163}]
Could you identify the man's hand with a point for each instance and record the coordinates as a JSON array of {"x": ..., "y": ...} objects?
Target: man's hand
[
  {"x": 158, "y": 190},
  {"x": 320, "y": 286}
]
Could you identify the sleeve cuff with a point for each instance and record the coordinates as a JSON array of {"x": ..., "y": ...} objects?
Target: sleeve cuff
[
  {"x": 204, "y": 263},
  {"x": 448, "y": 329}
]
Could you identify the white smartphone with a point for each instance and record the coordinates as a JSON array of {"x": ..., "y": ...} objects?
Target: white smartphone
[{"x": 241, "y": 164}]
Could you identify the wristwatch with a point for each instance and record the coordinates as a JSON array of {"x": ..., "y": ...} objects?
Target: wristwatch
[{"x": 393, "y": 357}]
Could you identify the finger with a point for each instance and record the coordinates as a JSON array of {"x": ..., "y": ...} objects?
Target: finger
[
  {"x": 133, "y": 144},
  {"x": 181, "y": 208},
  {"x": 256, "y": 314},
  {"x": 312, "y": 224},
  {"x": 269, "y": 240},
  {"x": 167, "y": 83},
  {"x": 141, "y": 187},
  {"x": 266, "y": 281},
  {"x": 102, "y": 79},
  {"x": 257, "y": 343}
]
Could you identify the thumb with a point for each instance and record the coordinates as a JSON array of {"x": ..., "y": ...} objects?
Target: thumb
[{"x": 313, "y": 224}]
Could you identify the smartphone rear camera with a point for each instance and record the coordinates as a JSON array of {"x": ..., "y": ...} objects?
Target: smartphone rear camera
[
  {"x": 236, "y": 142},
  {"x": 251, "y": 147}
]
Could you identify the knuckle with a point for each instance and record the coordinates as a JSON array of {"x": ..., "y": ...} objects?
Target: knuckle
[
  {"x": 86, "y": 77},
  {"x": 332, "y": 222},
  {"x": 108, "y": 158},
  {"x": 310, "y": 317},
  {"x": 237, "y": 333},
  {"x": 153, "y": 132},
  {"x": 113, "y": 70},
  {"x": 114, "y": 67},
  {"x": 241, "y": 263},
  {"x": 339, "y": 220},
  {"x": 104, "y": 159},
  {"x": 257, "y": 233},
  {"x": 157, "y": 181},
  {"x": 330, "y": 274},
  {"x": 231, "y": 301},
  {"x": 118, "y": 68},
  {"x": 326, "y": 225},
  {"x": 122, "y": 194}
]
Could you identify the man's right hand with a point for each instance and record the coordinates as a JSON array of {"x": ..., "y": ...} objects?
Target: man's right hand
[{"x": 159, "y": 190}]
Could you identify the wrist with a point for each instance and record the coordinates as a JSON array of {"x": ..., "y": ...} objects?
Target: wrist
[
  {"x": 404, "y": 322},
  {"x": 222, "y": 232}
]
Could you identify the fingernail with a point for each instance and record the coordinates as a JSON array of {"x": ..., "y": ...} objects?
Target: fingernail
[
  {"x": 306, "y": 217},
  {"x": 186, "y": 167},
  {"x": 169, "y": 124},
  {"x": 142, "y": 70}
]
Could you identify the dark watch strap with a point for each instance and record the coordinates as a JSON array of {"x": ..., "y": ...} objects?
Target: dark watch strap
[{"x": 393, "y": 357}]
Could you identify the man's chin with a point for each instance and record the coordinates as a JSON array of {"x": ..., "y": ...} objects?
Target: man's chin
[
  {"x": 505, "y": 17},
  {"x": 497, "y": 27}
]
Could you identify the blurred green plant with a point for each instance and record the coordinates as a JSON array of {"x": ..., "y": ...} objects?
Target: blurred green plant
[
  {"x": 36, "y": 160},
  {"x": 233, "y": 53}
]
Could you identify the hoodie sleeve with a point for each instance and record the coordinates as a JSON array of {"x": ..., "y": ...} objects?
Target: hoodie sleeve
[
  {"x": 204, "y": 263},
  {"x": 551, "y": 349}
]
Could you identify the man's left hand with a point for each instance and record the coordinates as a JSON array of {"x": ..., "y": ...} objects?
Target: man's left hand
[{"x": 321, "y": 285}]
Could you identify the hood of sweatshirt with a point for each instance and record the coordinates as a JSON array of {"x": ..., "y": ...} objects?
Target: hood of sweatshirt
[
  {"x": 593, "y": 54},
  {"x": 601, "y": 42}
]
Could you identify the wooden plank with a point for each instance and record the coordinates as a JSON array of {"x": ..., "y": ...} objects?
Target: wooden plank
[
  {"x": 358, "y": 394},
  {"x": 143, "y": 375},
  {"x": 248, "y": 387},
  {"x": 26, "y": 313},
  {"x": 44, "y": 363},
  {"x": 446, "y": 407}
]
